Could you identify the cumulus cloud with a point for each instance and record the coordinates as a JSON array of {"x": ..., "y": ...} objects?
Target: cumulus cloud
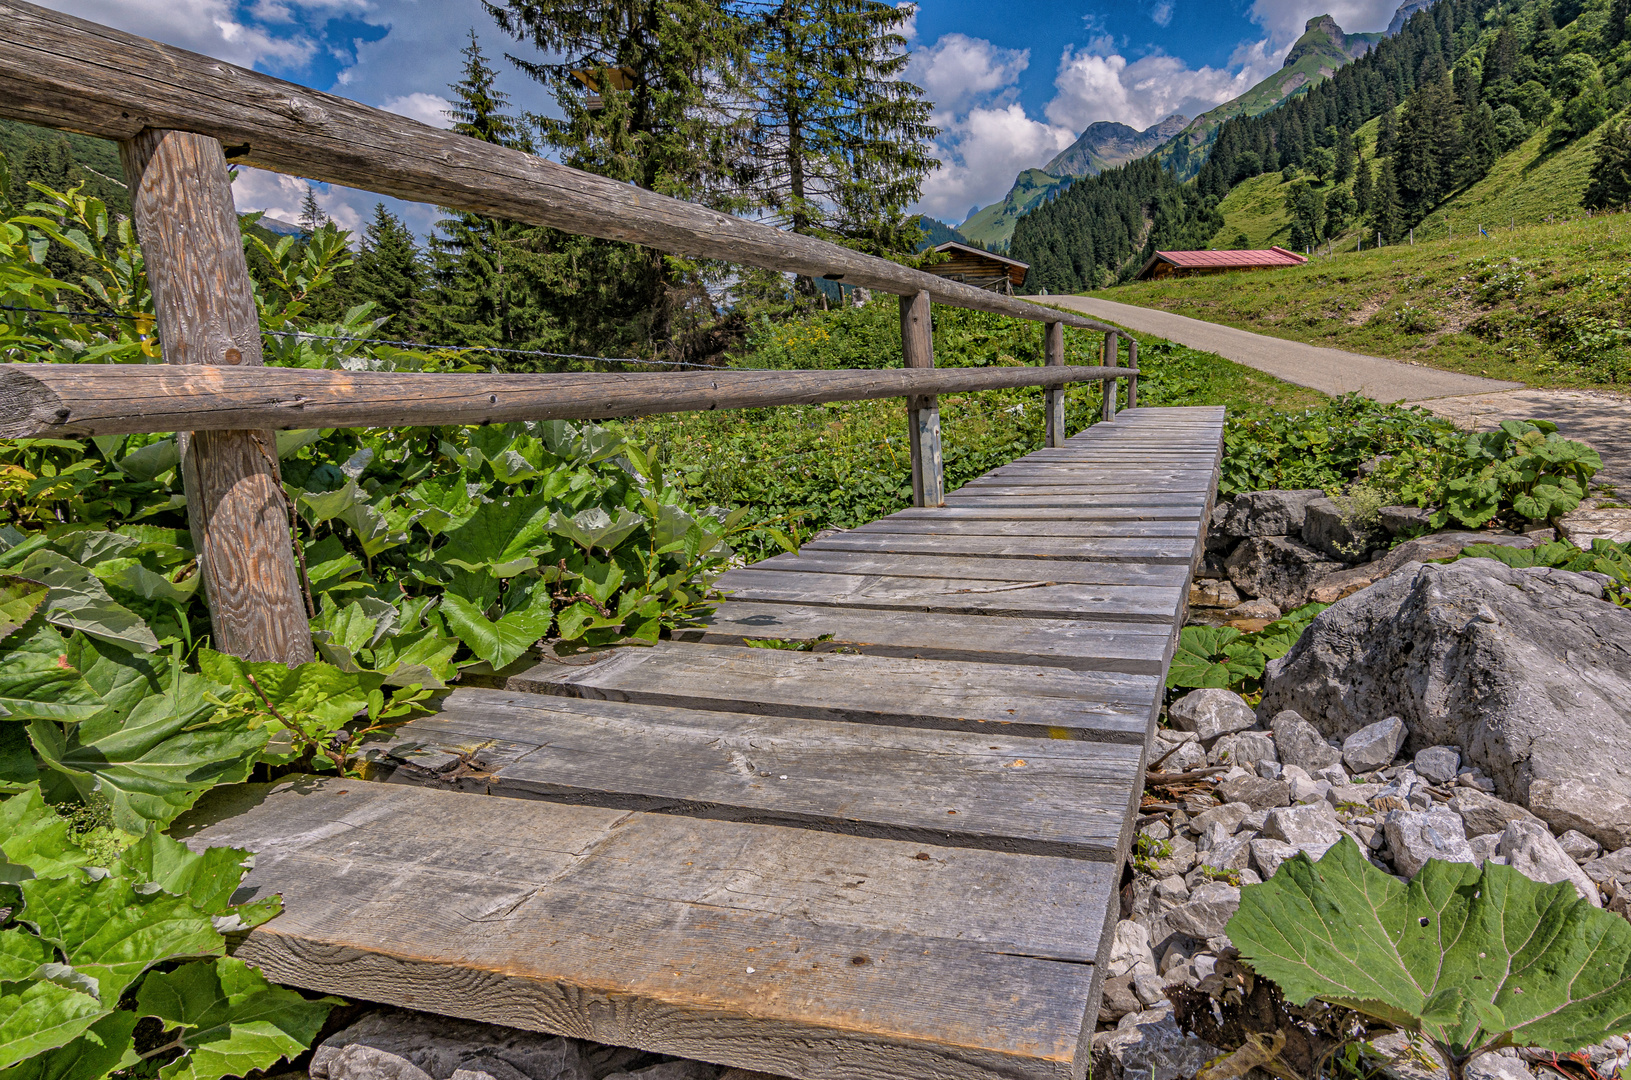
[
  {"x": 425, "y": 108},
  {"x": 1092, "y": 86},
  {"x": 1161, "y": 14},
  {"x": 213, "y": 27},
  {"x": 981, "y": 152},
  {"x": 958, "y": 70},
  {"x": 1284, "y": 20}
]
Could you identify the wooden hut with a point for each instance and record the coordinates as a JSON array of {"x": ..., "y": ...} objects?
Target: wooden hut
[
  {"x": 980, "y": 268},
  {"x": 1165, "y": 264}
]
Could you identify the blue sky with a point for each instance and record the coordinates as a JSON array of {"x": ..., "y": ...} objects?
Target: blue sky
[{"x": 1013, "y": 82}]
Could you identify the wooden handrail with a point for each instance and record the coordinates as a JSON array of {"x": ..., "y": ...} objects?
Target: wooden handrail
[
  {"x": 43, "y": 400},
  {"x": 64, "y": 72}
]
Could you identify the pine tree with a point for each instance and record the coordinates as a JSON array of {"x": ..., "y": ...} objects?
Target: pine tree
[
  {"x": 1619, "y": 22},
  {"x": 1611, "y": 172},
  {"x": 840, "y": 140},
  {"x": 389, "y": 271},
  {"x": 1387, "y": 132},
  {"x": 1344, "y": 158},
  {"x": 312, "y": 216},
  {"x": 1386, "y": 213},
  {"x": 1501, "y": 61},
  {"x": 1429, "y": 146},
  {"x": 1363, "y": 185}
]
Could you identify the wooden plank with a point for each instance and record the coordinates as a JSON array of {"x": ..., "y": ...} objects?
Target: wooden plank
[
  {"x": 64, "y": 72},
  {"x": 99, "y": 399},
  {"x": 823, "y": 560},
  {"x": 1096, "y": 510},
  {"x": 1082, "y": 644},
  {"x": 1152, "y": 487},
  {"x": 1053, "y": 401},
  {"x": 1108, "y": 386},
  {"x": 1042, "y": 797},
  {"x": 1147, "y": 550},
  {"x": 922, "y": 411},
  {"x": 181, "y": 203},
  {"x": 1029, "y": 702},
  {"x": 1034, "y": 501},
  {"x": 1163, "y": 528},
  {"x": 1041, "y": 600},
  {"x": 796, "y": 952}
]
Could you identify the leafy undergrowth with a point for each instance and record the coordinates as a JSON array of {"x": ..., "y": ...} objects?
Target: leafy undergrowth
[
  {"x": 1545, "y": 304},
  {"x": 1469, "y": 958},
  {"x": 1225, "y": 657}
]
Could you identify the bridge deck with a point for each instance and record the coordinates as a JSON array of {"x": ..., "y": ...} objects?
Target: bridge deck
[{"x": 892, "y": 852}]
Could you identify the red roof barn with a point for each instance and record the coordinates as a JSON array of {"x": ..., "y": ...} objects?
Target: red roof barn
[{"x": 1165, "y": 264}]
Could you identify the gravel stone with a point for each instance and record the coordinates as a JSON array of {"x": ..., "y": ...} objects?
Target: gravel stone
[
  {"x": 1374, "y": 745},
  {"x": 1245, "y": 748},
  {"x": 1531, "y": 850},
  {"x": 1483, "y": 813},
  {"x": 1149, "y": 1046},
  {"x": 1304, "y": 825},
  {"x": 1300, "y": 743},
  {"x": 439, "y": 1046},
  {"x": 1256, "y": 792},
  {"x": 1208, "y": 911},
  {"x": 1578, "y": 846},
  {"x": 1416, "y": 836},
  {"x": 1229, "y": 853},
  {"x": 1229, "y": 815},
  {"x": 1130, "y": 952},
  {"x": 1211, "y": 712},
  {"x": 1438, "y": 763},
  {"x": 1599, "y": 812}
]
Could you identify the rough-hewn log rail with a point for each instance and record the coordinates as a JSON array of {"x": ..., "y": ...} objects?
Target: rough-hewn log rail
[
  {"x": 64, "y": 72},
  {"x": 39, "y": 400}
]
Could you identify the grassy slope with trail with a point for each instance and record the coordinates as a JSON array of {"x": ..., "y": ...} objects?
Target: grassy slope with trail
[{"x": 1555, "y": 317}]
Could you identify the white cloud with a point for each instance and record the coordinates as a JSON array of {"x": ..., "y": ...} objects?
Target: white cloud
[
  {"x": 981, "y": 152},
  {"x": 425, "y": 108},
  {"x": 212, "y": 27},
  {"x": 1093, "y": 86},
  {"x": 957, "y": 71},
  {"x": 1161, "y": 14}
]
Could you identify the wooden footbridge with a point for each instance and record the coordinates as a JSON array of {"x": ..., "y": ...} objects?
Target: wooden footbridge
[{"x": 889, "y": 847}]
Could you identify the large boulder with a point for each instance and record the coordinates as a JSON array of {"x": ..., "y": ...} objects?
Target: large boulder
[
  {"x": 1278, "y": 569},
  {"x": 1441, "y": 545},
  {"x": 1211, "y": 712},
  {"x": 1274, "y": 512},
  {"x": 1526, "y": 671},
  {"x": 1326, "y": 528}
]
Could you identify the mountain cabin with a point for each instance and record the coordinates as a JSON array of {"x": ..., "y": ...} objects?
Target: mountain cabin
[
  {"x": 979, "y": 268},
  {"x": 1165, "y": 264}
]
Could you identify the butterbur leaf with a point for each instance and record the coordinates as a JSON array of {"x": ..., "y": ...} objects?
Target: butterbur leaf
[
  {"x": 19, "y": 599},
  {"x": 207, "y": 879},
  {"x": 104, "y": 1047},
  {"x": 595, "y": 528},
  {"x": 150, "y": 461},
  {"x": 21, "y": 955},
  {"x": 1464, "y": 955},
  {"x": 40, "y": 1016},
  {"x": 499, "y": 643},
  {"x": 77, "y": 600},
  {"x": 230, "y": 1019},
  {"x": 38, "y": 680},
  {"x": 34, "y": 840},
  {"x": 502, "y": 536},
  {"x": 1212, "y": 657},
  {"x": 131, "y": 575}
]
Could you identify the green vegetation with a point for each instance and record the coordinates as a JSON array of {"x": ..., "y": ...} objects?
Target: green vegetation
[
  {"x": 1223, "y": 656},
  {"x": 993, "y": 226},
  {"x": 1469, "y": 958},
  {"x": 1544, "y": 304},
  {"x": 1603, "y": 557}
]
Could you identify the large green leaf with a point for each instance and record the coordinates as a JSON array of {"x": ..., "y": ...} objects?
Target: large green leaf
[
  {"x": 595, "y": 528},
  {"x": 155, "y": 762},
  {"x": 1213, "y": 656},
  {"x": 21, "y": 955},
  {"x": 34, "y": 840},
  {"x": 78, "y": 600},
  {"x": 315, "y": 689},
  {"x": 40, "y": 1016},
  {"x": 131, "y": 575},
  {"x": 207, "y": 879},
  {"x": 231, "y": 1019},
  {"x": 111, "y": 930},
  {"x": 499, "y": 643},
  {"x": 501, "y": 536},
  {"x": 38, "y": 679},
  {"x": 1462, "y": 954},
  {"x": 19, "y": 599},
  {"x": 105, "y": 1046}
]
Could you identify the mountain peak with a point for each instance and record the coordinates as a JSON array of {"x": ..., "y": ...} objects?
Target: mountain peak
[{"x": 1330, "y": 48}]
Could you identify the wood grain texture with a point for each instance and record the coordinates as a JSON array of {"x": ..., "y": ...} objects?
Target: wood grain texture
[
  {"x": 1081, "y": 644},
  {"x": 922, "y": 411},
  {"x": 1053, "y": 401},
  {"x": 1044, "y": 797},
  {"x": 64, "y": 72},
  {"x": 793, "y": 951},
  {"x": 1023, "y": 567},
  {"x": 1132, "y": 377},
  {"x": 1022, "y": 701},
  {"x": 1108, "y": 386},
  {"x": 86, "y": 399},
  {"x": 1039, "y": 599},
  {"x": 182, "y": 207},
  {"x": 950, "y": 542},
  {"x": 1164, "y": 527}
]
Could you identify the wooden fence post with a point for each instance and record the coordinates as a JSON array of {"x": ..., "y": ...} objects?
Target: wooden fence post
[
  {"x": 1053, "y": 355},
  {"x": 1132, "y": 379},
  {"x": 182, "y": 205},
  {"x": 922, "y": 412},
  {"x": 1110, "y": 360}
]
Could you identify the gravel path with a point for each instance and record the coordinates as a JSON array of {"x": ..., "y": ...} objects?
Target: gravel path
[{"x": 1331, "y": 371}]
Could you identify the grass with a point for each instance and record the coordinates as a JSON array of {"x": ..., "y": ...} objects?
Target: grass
[
  {"x": 1547, "y": 304},
  {"x": 806, "y": 468}
]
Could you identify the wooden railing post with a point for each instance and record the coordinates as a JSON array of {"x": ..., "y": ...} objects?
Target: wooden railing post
[
  {"x": 1132, "y": 379},
  {"x": 922, "y": 412},
  {"x": 1110, "y": 360},
  {"x": 1053, "y": 355},
  {"x": 181, "y": 199}
]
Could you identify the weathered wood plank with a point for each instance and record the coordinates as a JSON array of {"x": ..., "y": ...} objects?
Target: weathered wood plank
[
  {"x": 1082, "y": 644},
  {"x": 181, "y": 203},
  {"x": 797, "y": 952},
  {"x": 1042, "y": 797},
  {"x": 64, "y": 72},
  {"x": 1095, "y": 510},
  {"x": 1145, "y": 550},
  {"x": 1040, "y": 599},
  {"x": 822, "y": 560},
  {"x": 1053, "y": 401},
  {"x": 1039, "y": 702},
  {"x": 1168, "y": 528},
  {"x": 922, "y": 411},
  {"x": 954, "y": 498},
  {"x": 96, "y": 399}
]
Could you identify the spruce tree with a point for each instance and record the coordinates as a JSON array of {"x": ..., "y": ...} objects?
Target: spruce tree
[
  {"x": 389, "y": 271},
  {"x": 841, "y": 142},
  {"x": 1344, "y": 158},
  {"x": 1386, "y": 213},
  {"x": 1363, "y": 185},
  {"x": 312, "y": 216},
  {"x": 1619, "y": 22},
  {"x": 1611, "y": 172},
  {"x": 1387, "y": 132}
]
